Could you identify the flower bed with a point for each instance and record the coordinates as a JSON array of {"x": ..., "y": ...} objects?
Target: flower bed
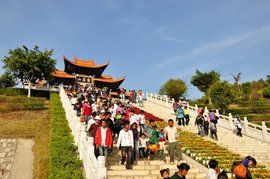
[
  {"x": 202, "y": 151},
  {"x": 148, "y": 116}
]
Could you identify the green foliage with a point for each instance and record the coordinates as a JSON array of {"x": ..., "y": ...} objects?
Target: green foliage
[
  {"x": 221, "y": 94},
  {"x": 174, "y": 88},
  {"x": 162, "y": 90},
  {"x": 247, "y": 90},
  {"x": 64, "y": 162},
  {"x": 203, "y": 81},
  {"x": 7, "y": 80},
  {"x": 267, "y": 80},
  {"x": 249, "y": 110},
  {"x": 23, "y": 92},
  {"x": 29, "y": 65},
  {"x": 266, "y": 92}
]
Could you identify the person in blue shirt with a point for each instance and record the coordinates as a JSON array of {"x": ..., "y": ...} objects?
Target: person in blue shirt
[{"x": 180, "y": 116}]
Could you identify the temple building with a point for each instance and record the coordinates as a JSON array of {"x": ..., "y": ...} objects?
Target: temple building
[{"x": 84, "y": 72}]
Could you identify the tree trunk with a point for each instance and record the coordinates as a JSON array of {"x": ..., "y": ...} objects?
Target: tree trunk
[
  {"x": 29, "y": 90},
  {"x": 209, "y": 98}
]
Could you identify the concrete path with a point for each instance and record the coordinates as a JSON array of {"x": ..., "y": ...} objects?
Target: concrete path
[
  {"x": 241, "y": 145},
  {"x": 24, "y": 159}
]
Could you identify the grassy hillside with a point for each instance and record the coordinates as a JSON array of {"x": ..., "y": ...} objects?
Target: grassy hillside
[
  {"x": 23, "y": 117},
  {"x": 255, "y": 111}
]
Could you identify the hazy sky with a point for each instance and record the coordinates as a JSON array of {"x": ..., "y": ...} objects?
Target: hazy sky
[{"x": 146, "y": 41}]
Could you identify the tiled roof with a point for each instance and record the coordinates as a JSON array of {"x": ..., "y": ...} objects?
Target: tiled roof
[
  {"x": 84, "y": 63},
  {"x": 109, "y": 80},
  {"x": 61, "y": 74}
]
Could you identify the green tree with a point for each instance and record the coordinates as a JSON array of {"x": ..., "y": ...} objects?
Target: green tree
[
  {"x": 266, "y": 92},
  {"x": 267, "y": 79},
  {"x": 203, "y": 81},
  {"x": 221, "y": 94},
  {"x": 162, "y": 90},
  {"x": 174, "y": 88},
  {"x": 7, "y": 80},
  {"x": 30, "y": 65},
  {"x": 247, "y": 90}
]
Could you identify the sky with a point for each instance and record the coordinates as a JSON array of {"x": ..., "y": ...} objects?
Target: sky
[{"x": 147, "y": 41}]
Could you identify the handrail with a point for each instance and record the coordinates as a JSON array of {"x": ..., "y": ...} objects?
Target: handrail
[
  {"x": 260, "y": 132},
  {"x": 94, "y": 168}
]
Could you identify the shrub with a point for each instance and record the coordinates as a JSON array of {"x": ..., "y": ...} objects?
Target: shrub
[
  {"x": 266, "y": 92},
  {"x": 63, "y": 160}
]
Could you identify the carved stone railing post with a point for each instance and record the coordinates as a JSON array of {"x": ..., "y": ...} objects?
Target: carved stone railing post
[
  {"x": 101, "y": 167},
  {"x": 264, "y": 131},
  {"x": 196, "y": 107},
  {"x": 231, "y": 121},
  {"x": 217, "y": 113},
  {"x": 206, "y": 111},
  {"x": 245, "y": 125}
]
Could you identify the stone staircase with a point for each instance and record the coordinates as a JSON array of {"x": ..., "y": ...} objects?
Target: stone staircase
[
  {"x": 145, "y": 169},
  {"x": 148, "y": 171},
  {"x": 241, "y": 145}
]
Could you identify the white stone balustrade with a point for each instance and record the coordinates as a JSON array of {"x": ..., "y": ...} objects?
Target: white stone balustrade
[
  {"x": 94, "y": 168},
  {"x": 255, "y": 131}
]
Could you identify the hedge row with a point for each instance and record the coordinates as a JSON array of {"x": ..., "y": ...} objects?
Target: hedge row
[
  {"x": 249, "y": 110},
  {"x": 259, "y": 103},
  {"x": 24, "y": 92},
  {"x": 64, "y": 162}
]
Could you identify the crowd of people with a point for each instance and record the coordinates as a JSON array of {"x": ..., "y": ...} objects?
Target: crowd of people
[
  {"x": 112, "y": 120},
  {"x": 206, "y": 121},
  {"x": 239, "y": 168}
]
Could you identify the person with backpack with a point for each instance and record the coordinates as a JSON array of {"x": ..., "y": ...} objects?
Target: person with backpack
[{"x": 240, "y": 169}]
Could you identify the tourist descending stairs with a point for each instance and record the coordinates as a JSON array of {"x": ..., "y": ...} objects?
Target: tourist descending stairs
[
  {"x": 242, "y": 145},
  {"x": 144, "y": 169}
]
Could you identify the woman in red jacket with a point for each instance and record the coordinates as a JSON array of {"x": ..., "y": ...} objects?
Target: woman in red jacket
[{"x": 103, "y": 138}]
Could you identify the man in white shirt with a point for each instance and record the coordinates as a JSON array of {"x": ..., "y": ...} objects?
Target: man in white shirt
[
  {"x": 133, "y": 118},
  {"x": 213, "y": 170},
  {"x": 126, "y": 143},
  {"x": 171, "y": 135}
]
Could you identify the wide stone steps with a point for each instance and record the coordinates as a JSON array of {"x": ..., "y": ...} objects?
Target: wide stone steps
[
  {"x": 241, "y": 145},
  {"x": 149, "y": 170}
]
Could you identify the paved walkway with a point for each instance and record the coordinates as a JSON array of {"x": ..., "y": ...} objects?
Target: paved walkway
[
  {"x": 7, "y": 155},
  {"x": 23, "y": 162},
  {"x": 241, "y": 145}
]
